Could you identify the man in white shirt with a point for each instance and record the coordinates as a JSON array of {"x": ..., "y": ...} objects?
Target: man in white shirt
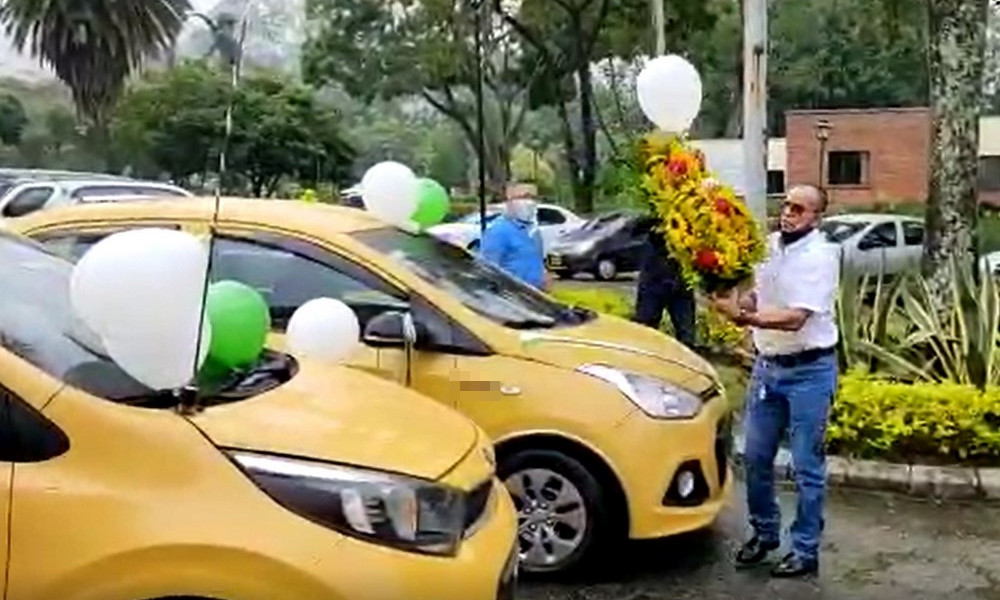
[{"x": 791, "y": 313}]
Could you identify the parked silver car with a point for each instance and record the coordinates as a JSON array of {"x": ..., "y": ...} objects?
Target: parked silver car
[
  {"x": 28, "y": 196},
  {"x": 875, "y": 242}
]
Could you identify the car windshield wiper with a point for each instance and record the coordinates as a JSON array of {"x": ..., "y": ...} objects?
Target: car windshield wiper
[
  {"x": 577, "y": 314},
  {"x": 529, "y": 324},
  {"x": 273, "y": 370}
]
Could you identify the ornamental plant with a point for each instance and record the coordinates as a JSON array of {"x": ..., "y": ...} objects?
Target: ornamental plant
[{"x": 706, "y": 228}]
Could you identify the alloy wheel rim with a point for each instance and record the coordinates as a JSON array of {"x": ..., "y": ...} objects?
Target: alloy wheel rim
[
  {"x": 607, "y": 269},
  {"x": 551, "y": 517}
]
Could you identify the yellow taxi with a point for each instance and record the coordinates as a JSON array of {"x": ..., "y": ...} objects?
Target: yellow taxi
[
  {"x": 291, "y": 481},
  {"x": 604, "y": 430}
]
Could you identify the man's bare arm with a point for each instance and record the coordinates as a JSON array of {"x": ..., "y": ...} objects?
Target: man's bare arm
[{"x": 781, "y": 319}]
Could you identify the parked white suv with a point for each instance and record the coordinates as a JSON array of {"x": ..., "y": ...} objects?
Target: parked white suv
[
  {"x": 553, "y": 221},
  {"x": 27, "y": 197},
  {"x": 874, "y": 242}
]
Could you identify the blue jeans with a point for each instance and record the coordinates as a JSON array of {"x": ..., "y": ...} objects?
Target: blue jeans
[{"x": 796, "y": 399}]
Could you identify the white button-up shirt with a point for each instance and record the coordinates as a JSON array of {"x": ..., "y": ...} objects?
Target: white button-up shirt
[{"x": 803, "y": 275}]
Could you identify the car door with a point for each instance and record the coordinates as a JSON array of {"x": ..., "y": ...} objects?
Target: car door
[
  {"x": 28, "y": 439},
  {"x": 878, "y": 249},
  {"x": 551, "y": 224},
  {"x": 308, "y": 271},
  {"x": 6, "y": 480},
  {"x": 288, "y": 272},
  {"x": 629, "y": 245},
  {"x": 913, "y": 244},
  {"x": 26, "y": 200}
]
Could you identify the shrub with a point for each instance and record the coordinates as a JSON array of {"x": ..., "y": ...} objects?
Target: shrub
[
  {"x": 920, "y": 422},
  {"x": 904, "y": 333}
]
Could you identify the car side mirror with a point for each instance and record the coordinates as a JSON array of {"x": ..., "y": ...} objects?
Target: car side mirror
[
  {"x": 867, "y": 244},
  {"x": 390, "y": 329}
]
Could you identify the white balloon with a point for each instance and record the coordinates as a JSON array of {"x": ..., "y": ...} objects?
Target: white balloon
[
  {"x": 670, "y": 92},
  {"x": 323, "y": 329},
  {"x": 144, "y": 282},
  {"x": 389, "y": 190},
  {"x": 161, "y": 362}
]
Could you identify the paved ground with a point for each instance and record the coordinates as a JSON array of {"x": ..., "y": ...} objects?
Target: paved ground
[{"x": 877, "y": 547}]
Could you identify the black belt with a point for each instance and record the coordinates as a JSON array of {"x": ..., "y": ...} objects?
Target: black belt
[{"x": 799, "y": 358}]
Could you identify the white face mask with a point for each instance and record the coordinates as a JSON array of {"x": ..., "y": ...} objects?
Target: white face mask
[{"x": 522, "y": 209}]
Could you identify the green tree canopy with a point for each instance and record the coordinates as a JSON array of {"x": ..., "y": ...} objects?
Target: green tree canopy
[
  {"x": 93, "y": 46},
  {"x": 13, "y": 120},
  {"x": 173, "y": 122},
  {"x": 425, "y": 49}
]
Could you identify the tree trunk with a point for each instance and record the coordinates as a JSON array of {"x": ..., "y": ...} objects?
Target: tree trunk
[
  {"x": 572, "y": 157},
  {"x": 588, "y": 126},
  {"x": 957, "y": 47}
]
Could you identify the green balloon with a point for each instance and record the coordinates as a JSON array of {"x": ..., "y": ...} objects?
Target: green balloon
[
  {"x": 432, "y": 203},
  {"x": 240, "y": 323}
]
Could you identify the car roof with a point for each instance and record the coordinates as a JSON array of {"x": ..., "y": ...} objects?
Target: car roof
[
  {"x": 319, "y": 218},
  {"x": 871, "y": 218},
  {"x": 79, "y": 182},
  {"x": 56, "y": 175}
]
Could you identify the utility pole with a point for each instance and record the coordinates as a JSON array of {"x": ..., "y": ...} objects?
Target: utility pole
[
  {"x": 660, "y": 27},
  {"x": 755, "y": 106},
  {"x": 477, "y": 5}
]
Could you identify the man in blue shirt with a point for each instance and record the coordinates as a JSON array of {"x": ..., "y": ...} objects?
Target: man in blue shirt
[{"x": 513, "y": 242}]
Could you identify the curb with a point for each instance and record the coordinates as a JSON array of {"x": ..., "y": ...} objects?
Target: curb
[{"x": 939, "y": 483}]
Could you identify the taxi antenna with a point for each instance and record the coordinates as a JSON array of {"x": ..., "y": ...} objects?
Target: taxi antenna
[{"x": 189, "y": 396}]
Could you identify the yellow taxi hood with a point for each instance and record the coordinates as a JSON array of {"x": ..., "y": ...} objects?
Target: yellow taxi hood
[
  {"x": 621, "y": 343},
  {"x": 341, "y": 415}
]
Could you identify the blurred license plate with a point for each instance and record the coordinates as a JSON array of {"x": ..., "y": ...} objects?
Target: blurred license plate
[{"x": 555, "y": 260}]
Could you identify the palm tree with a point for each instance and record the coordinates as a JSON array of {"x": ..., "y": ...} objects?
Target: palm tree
[{"x": 93, "y": 45}]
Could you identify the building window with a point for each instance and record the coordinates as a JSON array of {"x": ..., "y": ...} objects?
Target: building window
[
  {"x": 775, "y": 182},
  {"x": 989, "y": 173},
  {"x": 847, "y": 168}
]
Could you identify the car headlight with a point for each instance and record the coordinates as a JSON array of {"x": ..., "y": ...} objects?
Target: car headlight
[
  {"x": 394, "y": 510},
  {"x": 653, "y": 396}
]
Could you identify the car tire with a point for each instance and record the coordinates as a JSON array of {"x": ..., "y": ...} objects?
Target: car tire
[
  {"x": 606, "y": 270},
  {"x": 553, "y": 493}
]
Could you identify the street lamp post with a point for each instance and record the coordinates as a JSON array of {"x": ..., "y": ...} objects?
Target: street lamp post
[
  {"x": 477, "y": 7},
  {"x": 823, "y": 129}
]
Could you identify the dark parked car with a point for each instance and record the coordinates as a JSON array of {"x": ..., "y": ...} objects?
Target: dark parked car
[{"x": 605, "y": 246}]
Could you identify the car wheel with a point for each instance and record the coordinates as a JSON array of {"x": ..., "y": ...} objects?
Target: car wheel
[
  {"x": 606, "y": 269},
  {"x": 563, "y": 519}
]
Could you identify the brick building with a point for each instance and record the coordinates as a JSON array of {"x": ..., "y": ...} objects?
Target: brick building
[{"x": 877, "y": 155}]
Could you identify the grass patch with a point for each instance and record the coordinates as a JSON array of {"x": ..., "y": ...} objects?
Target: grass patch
[{"x": 989, "y": 232}]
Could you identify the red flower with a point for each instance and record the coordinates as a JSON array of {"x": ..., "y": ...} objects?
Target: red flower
[
  {"x": 706, "y": 259},
  {"x": 678, "y": 167},
  {"x": 723, "y": 207}
]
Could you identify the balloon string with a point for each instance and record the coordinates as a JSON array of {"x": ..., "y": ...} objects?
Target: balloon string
[{"x": 234, "y": 87}]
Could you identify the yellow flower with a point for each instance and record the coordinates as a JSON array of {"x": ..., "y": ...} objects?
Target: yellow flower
[{"x": 698, "y": 213}]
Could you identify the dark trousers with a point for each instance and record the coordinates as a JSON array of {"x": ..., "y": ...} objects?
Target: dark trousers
[{"x": 656, "y": 294}]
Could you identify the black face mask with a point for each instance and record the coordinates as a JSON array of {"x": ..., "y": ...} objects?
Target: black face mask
[{"x": 790, "y": 237}]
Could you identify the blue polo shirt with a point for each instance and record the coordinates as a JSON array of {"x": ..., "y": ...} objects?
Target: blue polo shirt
[{"x": 515, "y": 247}]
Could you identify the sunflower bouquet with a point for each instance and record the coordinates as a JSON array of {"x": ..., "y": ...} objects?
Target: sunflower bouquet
[{"x": 707, "y": 229}]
